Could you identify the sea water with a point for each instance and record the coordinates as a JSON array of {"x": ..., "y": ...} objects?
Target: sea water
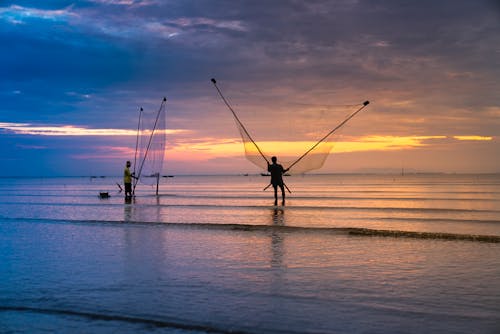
[{"x": 213, "y": 254}]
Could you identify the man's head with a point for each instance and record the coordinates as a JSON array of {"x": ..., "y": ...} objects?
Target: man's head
[
  {"x": 128, "y": 163},
  {"x": 273, "y": 159}
]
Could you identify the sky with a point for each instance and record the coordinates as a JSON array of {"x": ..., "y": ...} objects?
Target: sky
[{"x": 74, "y": 74}]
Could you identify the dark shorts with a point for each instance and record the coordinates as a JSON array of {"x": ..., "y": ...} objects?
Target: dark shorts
[
  {"x": 277, "y": 184},
  {"x": 128, "y": 187}
]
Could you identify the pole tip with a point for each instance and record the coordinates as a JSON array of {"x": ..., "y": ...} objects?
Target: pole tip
[
  {"x": 213, "y": 81},
  {"x": 366, "y": 103}
]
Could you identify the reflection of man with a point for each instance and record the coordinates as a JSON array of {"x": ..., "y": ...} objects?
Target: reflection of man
[
  {"x": 277, "y": 247},
  {"x": 277, "y": 172},
  {"x": 278, "y": 217},
  {"x": 127, "y": 180}
]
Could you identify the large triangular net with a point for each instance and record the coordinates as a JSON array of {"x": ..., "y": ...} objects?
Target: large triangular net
[
  {"x": 151, "y": 141},
  {"x": 301, "y": 136},
  {"x": 295, "y": 139}
]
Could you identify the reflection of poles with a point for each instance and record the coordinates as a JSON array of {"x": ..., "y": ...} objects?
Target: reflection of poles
[
  {"x": 330, "y": 133},
  {"x": 149, "y": 145},
  {"x": 157, "y": 182}
]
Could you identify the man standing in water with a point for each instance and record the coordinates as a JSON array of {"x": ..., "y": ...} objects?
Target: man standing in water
[
  {"x": 127, "y": 180},
  {"x": 277, "y": 172}
]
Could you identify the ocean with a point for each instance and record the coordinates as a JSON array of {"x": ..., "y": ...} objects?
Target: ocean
[{"x": 212, "y": 254}]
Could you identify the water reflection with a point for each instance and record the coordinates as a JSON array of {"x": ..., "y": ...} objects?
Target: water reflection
[
  {"x": 278, "y": 217},
  {"x": 143, "y": 247},
  {"x": 277, "y": 261},
  {"x": 128, "y": 209},
  {"x": 142, "y": 210},
  {"x": 277, "y": 238}
]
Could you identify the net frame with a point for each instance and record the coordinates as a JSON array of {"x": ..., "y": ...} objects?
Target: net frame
[
  {"x": 150, "y": 146},
  {"x": 313, "y": 158}
]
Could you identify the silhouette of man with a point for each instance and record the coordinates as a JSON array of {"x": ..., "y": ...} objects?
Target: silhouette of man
[{"x": 277, "y": 172}]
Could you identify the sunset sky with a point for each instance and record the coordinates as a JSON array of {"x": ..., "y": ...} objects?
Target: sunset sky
[{"x": 75, "y": 73}]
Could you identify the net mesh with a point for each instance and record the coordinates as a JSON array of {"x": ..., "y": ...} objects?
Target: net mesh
[
  {"x": 151, "y": 141},
  {"x": 289, "y": 140}
]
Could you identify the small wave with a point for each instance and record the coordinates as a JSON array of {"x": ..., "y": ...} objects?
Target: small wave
[
  {"x": 438, "y": 220},
  {"x": 120, "y": 318},
  {"x": 259, "y": 207},
  {"x": 355, "y": 231},
  {"x": 423, "y": 235},
  {"x": 363, "y": 195}
]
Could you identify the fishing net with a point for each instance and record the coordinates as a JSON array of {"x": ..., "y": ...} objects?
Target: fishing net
[
  {"x": 295, "y": 145},
  {"x": 151, "y": 141},
  {"x": 301, "y": 136}
]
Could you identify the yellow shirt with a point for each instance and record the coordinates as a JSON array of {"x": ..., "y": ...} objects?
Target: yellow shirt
[{"x": 127, "y": 177}]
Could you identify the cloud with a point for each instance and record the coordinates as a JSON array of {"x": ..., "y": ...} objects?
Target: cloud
[
  {"x": 117, "y": 23},
  {"x": 105, "y": 153},
  {"x": 64, "y": 130},
  {"x": 70, "y": 130},
  {"x": 79, "y": 95},
  {"x": 194, "y": 22},
  {"x": 31, "y": 147},
  {"x": 20, "y": 15},
  {"x": 133, "y": 3},
  {"x": 473, "y": 138}
]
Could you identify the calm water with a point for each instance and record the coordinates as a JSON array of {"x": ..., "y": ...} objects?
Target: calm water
[{"x": 211, "y": 254}]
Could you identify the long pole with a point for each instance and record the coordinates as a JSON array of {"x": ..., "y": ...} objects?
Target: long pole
[
  {"x": 271, "y": 184},
  {"x": 150, "y": 139},
  {"x": 238, "y": 120},
  {"x": 137, "y": 144},
  {"x": 330, "y": 133}
]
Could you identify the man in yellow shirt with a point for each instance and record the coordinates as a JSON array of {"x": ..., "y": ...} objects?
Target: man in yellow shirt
[{"x": 127, "y": 180}]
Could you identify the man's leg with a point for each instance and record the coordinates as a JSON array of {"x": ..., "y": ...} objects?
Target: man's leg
[
  {"x": 282, "y": 192},
  {"x": 275, "y": 194},
  {"x": 128, "y": 190}
]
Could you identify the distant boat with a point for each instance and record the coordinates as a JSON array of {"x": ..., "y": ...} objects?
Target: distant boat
[
  {"x": 265, "y": 174},
  {"x": 151, "y": 175},
  {"x": 167, "y": 175}
]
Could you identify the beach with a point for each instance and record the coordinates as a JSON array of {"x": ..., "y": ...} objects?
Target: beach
[{"x": 212, "y": 254}]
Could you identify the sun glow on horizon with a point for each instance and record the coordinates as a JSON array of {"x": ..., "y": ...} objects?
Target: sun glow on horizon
[
  {"x": 187, "y": 147},
  {"x": 212, "y": 147}
]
